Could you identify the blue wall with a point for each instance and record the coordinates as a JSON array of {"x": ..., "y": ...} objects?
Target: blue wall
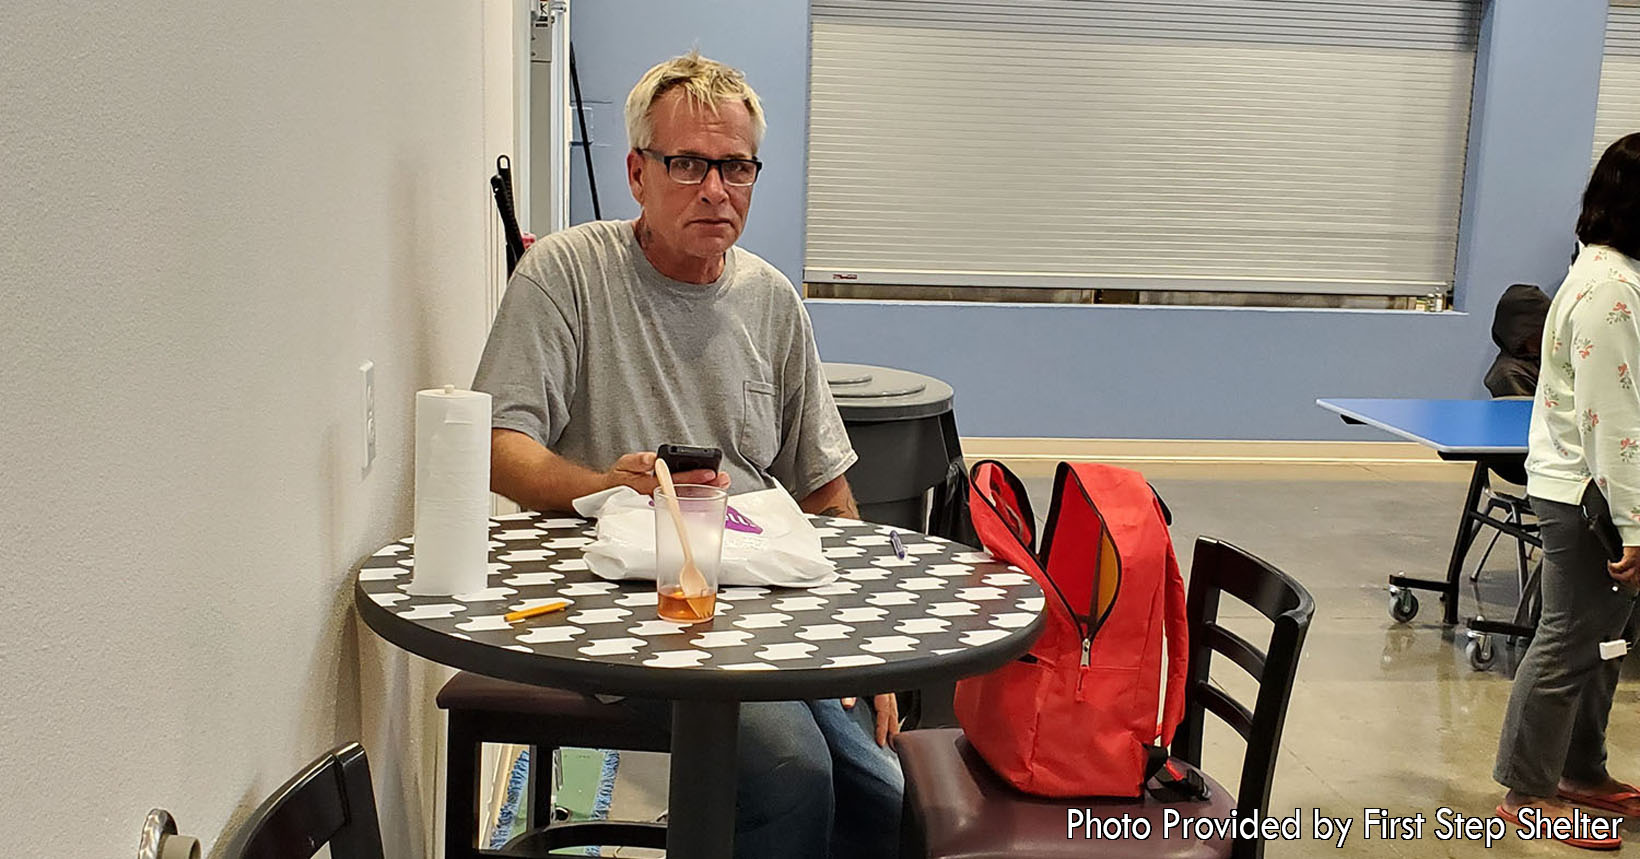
[{"x": 1158, "y": 372}]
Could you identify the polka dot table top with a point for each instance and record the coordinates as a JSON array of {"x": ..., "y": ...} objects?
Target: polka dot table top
[{"x": 940, "y": 612}]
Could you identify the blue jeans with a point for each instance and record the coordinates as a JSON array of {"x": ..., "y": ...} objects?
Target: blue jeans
[{"x": 814, "y": 784}]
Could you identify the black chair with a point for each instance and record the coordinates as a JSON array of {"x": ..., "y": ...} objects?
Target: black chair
[
  {"x": 486, "y": 710},
  {"x": 329, "y": 802},
  {"x": 1517, "y": 328},
  {"x": 956, "y": 807},
  {"x": 1518, "y": 522},
  {"x": 1516, "y": 510}
]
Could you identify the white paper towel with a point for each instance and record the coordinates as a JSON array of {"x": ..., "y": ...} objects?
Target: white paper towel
[{"x": 452, "y": 539}]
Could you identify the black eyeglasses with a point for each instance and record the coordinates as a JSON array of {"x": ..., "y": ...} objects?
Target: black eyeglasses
[{"x": 692, "y": 169}]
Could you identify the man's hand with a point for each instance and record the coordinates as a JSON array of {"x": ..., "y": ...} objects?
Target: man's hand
[
  {"x": 1626, "y": 571},
  {"x": 888, "y": 715},
  {"x": 637, "y": 470}
]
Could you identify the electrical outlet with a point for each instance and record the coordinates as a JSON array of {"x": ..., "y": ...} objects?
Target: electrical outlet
[{"x": 368, "y": 371}]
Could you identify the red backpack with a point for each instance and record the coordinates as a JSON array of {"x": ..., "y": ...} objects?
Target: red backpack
[{"x": 1077, "y": 715}]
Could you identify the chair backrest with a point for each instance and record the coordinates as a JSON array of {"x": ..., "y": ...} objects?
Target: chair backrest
[
  {"x": 329, "y": 802},
  {"x": 1221, "y": 568}
]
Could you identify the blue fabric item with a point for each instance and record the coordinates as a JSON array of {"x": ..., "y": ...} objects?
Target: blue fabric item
[
  {"x": 517, "y": 781},
  {"x": 508, "y": 816},
  {"x": 606, "y": 785},
  {"x": 606, "y": 792}
]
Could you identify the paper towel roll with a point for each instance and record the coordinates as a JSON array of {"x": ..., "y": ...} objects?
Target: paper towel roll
[{"x": 452, "y": 536}]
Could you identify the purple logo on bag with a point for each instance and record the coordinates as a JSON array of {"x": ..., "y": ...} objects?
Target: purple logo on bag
[
  {"x": 737, "y": 521},
  {"x": 734, "y": 520}
]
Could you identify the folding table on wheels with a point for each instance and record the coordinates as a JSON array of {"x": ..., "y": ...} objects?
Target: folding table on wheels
[{"x": 1492, "y": 434}]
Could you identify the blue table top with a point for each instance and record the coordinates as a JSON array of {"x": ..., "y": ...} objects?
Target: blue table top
[{"x": 1451, "y": 427}]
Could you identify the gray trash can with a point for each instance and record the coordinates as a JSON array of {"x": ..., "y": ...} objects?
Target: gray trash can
[
  {"x": 905, "y": 433},
  {"x": 902, "y": 427}
]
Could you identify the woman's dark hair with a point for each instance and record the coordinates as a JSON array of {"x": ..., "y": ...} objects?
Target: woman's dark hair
[{"x": 1611, "y": 203}]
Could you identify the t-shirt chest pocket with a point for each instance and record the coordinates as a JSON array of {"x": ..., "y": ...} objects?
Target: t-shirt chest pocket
[{"x": 760, "y": 423}]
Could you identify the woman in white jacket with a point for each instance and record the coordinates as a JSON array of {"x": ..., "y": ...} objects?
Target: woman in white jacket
[{"x": 1585, "y": 427}]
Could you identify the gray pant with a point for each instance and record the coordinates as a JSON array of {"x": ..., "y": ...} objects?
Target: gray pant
[{"x": 1555, "y": 726}]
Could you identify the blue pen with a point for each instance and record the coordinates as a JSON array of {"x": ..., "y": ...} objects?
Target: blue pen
[{"x": 899, "y": 547}]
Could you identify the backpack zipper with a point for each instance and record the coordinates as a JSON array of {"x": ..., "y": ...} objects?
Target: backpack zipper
[
  {"x": 1084, "y": 628},
  {"x": 1095, "y": 619},
  {"x": 1087, "y": 659}
]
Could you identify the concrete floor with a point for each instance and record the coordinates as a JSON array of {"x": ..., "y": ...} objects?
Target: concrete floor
[{"x": 1384, "y": 715}]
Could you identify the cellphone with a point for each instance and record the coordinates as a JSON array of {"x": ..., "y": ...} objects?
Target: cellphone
[
  {"x": 1597, "y": 517},
  {"x": 682, "y": 457}
]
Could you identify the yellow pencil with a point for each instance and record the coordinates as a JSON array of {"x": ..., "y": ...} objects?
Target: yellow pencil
[{"x": 532, "y": 612}]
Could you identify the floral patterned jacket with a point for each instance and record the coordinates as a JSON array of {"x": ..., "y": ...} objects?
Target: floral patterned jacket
[{"x": 1586, "y": 419}]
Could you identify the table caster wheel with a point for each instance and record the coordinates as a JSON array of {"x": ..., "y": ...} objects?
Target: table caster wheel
[
  {"x": 1480, "y": 652},
  {"x": 1403, "y": 605}
]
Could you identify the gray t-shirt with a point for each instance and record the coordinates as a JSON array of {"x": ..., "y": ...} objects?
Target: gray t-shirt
[{"x": 595, "y": 354}]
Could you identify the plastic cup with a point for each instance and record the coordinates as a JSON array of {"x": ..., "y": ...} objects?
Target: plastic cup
[{"x": 689, "y": 598}]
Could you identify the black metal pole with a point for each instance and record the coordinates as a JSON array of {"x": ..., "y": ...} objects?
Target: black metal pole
[
  {"x": 509, "y": 224},
  {"x": 1460, "y": 546},
  {"x": 700, "y": 821},
  {"x": 586, "y": 142}
]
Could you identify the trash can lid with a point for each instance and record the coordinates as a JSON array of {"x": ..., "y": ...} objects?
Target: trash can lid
[{"x": 869, "y": 393}]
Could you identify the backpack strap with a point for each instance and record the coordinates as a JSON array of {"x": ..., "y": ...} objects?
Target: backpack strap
[
  {"x": 1167, "y": 512},
  {"x": 949, "y": 515},
  {"x": 1166, "y": 781},
  {"x": 1177, "y": 630}
]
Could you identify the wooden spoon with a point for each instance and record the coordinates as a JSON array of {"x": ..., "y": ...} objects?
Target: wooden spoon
[{"x": 691, "y": 582}]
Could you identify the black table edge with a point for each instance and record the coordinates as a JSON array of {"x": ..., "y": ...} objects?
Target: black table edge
[{"x": 596, "y": 677}]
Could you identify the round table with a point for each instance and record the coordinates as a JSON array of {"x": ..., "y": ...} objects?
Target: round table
[{"x": 885, "y": 624}]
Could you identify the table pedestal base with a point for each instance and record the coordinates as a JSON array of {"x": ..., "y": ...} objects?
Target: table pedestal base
[{"x": 700, "y": 822}]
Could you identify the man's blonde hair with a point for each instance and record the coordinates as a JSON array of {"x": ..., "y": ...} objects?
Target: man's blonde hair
[{"x": 705, "y": 82}]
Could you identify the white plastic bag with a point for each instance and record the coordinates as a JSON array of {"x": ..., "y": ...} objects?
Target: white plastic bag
[{"x": 767, "y": 542}]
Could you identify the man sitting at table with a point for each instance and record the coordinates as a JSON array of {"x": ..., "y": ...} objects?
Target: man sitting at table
[{"x": 617, "y": 336}]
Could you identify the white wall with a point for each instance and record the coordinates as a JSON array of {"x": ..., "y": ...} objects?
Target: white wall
[{"x": 210, "y": 214}]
